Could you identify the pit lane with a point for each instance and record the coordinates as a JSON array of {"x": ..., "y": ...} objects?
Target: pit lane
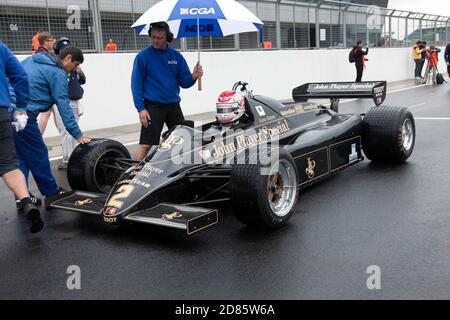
[{"x": 394, "y": 217}]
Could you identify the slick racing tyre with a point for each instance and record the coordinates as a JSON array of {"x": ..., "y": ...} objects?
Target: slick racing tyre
[
  {"x": 265, "y": 195},
  {"x": 389, "y": 134},
  {"x": 97, "y": 165}
]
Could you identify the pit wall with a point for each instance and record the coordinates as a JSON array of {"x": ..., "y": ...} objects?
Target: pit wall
[{"x": 108, "y": 101}]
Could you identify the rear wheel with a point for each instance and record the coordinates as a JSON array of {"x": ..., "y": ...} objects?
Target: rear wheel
[
  {"x": 265, "y": 195},
  {"x": 389, "y": 134},
  {"x": 97, "y": 166}
]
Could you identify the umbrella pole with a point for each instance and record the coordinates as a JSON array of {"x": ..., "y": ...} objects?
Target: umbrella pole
[{"x": 198, "y": 53}]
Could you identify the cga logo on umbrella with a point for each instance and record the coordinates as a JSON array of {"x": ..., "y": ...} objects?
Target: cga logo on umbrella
[{"x": 194, "y": 11}]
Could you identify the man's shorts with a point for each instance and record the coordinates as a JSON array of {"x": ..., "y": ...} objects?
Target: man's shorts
[
  {"x": 170, "y": 114},
  {"x": 8, "y": 157}
]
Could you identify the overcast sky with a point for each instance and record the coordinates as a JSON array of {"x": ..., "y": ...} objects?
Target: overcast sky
[{"x": 439, "y": 7}]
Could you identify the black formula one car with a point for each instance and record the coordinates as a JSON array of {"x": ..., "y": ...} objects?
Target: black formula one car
[{"x": 258, "y": 165}]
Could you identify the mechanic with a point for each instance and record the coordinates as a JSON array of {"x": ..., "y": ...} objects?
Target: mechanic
[
  {"x": 48, "y": 86},
  {"x": 76, "y": 79},
  {"x": 360, "y": 59},
  {"x": 158, "y": 73},
  {"x": 12, "y": 72},
  {"x": 447, "y": 58},
  {"x": 231, "y": 114}
]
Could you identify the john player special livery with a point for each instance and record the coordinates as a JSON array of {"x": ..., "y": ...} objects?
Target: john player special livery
[{"x": 257, "y": 164}]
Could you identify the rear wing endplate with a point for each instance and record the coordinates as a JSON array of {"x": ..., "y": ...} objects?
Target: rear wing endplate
[{"x": 338, "y": 90}]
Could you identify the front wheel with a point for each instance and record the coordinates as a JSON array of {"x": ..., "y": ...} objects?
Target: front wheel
[
  {"x": 265, "y": 195},
  {"x": 97, "y": 165}
]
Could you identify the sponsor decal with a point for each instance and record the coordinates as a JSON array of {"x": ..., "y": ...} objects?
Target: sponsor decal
[
  {"x": 310, "y": 168},
  {"x": 110, "y": 220},
  {"x": 169, "y": 142},
  {"x": 204, "y": 154},
  {"x": 341, "y": 86},
  {"x": 354, "y": 155},
  {"x": 260, "y": 111},
  {"x": 134, "y": 181},
  {"x": 194, "y": 11},
  {"x": 149, "y": 170},
  {"x": 172, "y": 62},
  {"x": 266, "y": 119},
  {"x": 110, "y": 212},
  {"x": 288, "y": 112},
  {"x": 140, "y": 183},
  {"x": 80, "y": 203},
  {"x": 378, "y": 90},
  {"x": 203, "y": 28},
  {"x": 246, "y": 141},
  {"x": 299, "y": 108},
  {"x": 379, "y": 94},
  {"x": 293, "y": 110},
  {"x": 171, "y": 216}
]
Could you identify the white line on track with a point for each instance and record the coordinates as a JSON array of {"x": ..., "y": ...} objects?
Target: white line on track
[
  {"x": 417, "y": 105},
  {"x": 422, "y": 118}
]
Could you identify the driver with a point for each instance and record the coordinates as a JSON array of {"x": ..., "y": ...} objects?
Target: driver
[{"x": 230, "y": 108}]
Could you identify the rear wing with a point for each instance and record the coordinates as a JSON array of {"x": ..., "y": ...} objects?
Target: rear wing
[{"x": 337, "y": 90}]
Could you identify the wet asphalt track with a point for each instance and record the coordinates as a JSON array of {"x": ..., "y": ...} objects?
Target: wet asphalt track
[{"x": 395, "y": 217}]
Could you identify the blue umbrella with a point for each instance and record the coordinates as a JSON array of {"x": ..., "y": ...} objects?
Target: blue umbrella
[{"x": 190, "y": 18}]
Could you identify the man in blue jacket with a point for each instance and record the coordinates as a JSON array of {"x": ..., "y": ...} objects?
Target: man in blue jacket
[
  {"x": 76, "y": 79},
  {"x": 158, "y": 73},
  {"x": 11, "y": 72},
  {"x": 48, "y": 86},
  {"x": 447, "y": 58}
]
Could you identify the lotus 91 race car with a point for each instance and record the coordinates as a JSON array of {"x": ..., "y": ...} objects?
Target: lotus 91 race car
[{"x": 258, "y": 165}]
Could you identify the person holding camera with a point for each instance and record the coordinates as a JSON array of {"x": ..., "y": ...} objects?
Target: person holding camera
[
  {"x": 360, "y": 59},
  {"x": 158, "y": 73},
  {"x": 433, "y": 60},
  {"x": 419, "y": 60}
]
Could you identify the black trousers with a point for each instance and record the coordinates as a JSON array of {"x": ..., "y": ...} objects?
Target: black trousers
[
  {"x": 8, "y": 157},
  {"x": 359, "y": 72},
  {"x": 169, "y": 114},
  {"x": 419, "y": 66}
]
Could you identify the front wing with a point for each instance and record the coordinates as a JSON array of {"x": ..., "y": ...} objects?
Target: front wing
[{"x": 190, "y": 219}]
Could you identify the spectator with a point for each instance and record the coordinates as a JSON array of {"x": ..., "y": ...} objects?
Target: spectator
[
  {"x": 433, "y": 60},
  {"x": 158, "y": 73},
  {"x": 12, "y": 72},
  {"x": 418, "y": 49},
  {"x": 360, "y": 59},
  {"x": 46, "y": 41},
  {"x": 76, "y": 79},
  {"x": 35, "y": 43},
  {"x": 385, "y": 41},
  {"x": 267, "y": 44},
  {"x": 111, "y": 46},
  {"x": 447, "y": 58},
  {"x": 48, "y": 86}
]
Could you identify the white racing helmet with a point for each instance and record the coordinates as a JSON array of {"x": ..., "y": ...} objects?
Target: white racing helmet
[{"x": 230, "y": 107}]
